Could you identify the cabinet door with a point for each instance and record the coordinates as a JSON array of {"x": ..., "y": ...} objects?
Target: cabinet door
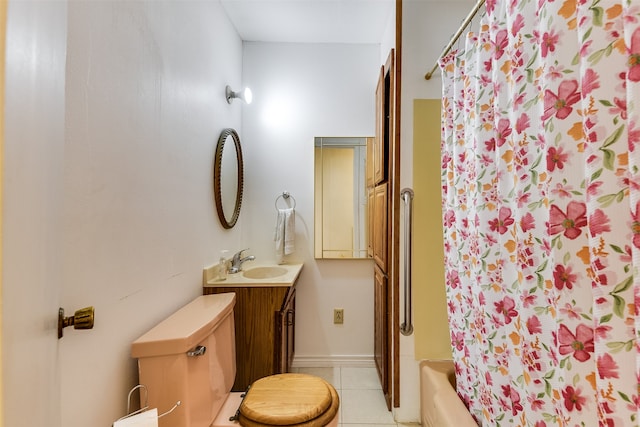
[
  {"x": 256, "y": 315},
  {"x": 285, "y": 339},
  {"x": 378, "y": 146},
  {"x": 370, "y": 183},
  {"x": 381, "y": 351},
  {"x": 380, "y": 226},
  {"x": 370, "y": 210}
]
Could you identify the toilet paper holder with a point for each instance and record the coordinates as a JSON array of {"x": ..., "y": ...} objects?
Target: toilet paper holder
[{"x": 146, "y": 403}]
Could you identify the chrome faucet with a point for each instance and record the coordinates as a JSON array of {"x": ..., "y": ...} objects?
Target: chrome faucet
[{"x": 237, "y": 261}]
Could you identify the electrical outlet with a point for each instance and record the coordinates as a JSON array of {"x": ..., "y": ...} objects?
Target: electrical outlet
[{"x": 338, "y": 316}]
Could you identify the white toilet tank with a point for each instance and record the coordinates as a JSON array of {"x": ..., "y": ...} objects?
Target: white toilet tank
[{"x": 190, "y": 357}]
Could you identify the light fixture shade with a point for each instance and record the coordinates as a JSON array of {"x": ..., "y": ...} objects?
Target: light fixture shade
[{"x": 245, "y": 95}]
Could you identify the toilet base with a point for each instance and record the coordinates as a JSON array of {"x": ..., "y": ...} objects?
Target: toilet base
[{"x": 228, "y": 410}]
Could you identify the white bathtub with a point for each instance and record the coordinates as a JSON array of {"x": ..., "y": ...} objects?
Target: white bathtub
[{"x": 440, "y": 405}]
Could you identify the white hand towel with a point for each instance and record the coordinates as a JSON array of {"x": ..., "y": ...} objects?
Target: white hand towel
[
  {"x": 289, "y": 231},
  {"x": 285, "y": 233}
]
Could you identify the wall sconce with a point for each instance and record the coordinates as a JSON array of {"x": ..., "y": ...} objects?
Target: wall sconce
[{"x": 245, "y": 95}]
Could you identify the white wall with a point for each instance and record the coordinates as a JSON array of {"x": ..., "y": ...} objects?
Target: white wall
[
  {"x": 33, "y": 189},
  {"x": 109, "y": 200},
  {"x": 319, "y": 90}
]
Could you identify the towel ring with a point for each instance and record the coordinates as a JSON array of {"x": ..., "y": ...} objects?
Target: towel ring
[{"x": 285, "y": 196}]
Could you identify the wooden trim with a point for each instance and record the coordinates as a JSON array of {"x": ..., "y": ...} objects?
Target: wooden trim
[
  {"x": 3, "y": 34},
  {"x": 394, "y": 176}
]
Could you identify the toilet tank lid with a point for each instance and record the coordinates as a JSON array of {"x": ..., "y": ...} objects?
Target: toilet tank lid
[{"x": 185, "y": 328}]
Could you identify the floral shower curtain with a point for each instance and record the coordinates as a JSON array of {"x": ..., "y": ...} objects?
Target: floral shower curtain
[{"x": 541, "y": 206}]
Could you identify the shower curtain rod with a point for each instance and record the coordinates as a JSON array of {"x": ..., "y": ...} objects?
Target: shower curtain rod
[{"x": 455, "y": 37}]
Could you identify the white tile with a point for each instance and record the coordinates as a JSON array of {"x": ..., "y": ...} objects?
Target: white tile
[
  {"x": 360, "y": 378},
  {"x": 330, "y": 375},
  {"x": 364, "y": 407}
]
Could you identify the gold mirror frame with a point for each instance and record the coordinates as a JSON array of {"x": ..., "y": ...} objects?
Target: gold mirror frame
[{"x": 217, "y": 178}]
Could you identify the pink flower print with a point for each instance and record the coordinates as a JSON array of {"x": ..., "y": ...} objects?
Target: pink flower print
[
  {"x": 449, "y": 218},
  {"x": 533, "y": 325},
  {"x": 457, "y": 340},
  {"x": 503, "y": 221},
  {"x": 593, "y": 189},
  {"x": 562, "y": 190},
  {"x": 514, "y": 396},
  {"x": 634, "y": 57},
  {"x": 522, "y": 123},
  {"x": 506, "y": 307},
  {"x": 563, "y": 277},
  {"x": 627, "y": 257},
  {"x": 607, "y": 367},
  {"x": 528, "y": 299},
  {"x": 527, "y": 222},
  {"x": 635, "y": 225},
  {"x": 571, "y": 222},
  {"x": 598, "y": 222},
  {"x": 602, "y": 331},
  {"x": 555, "y": 72},
  {"x": 523, "y": 198},
  {"x": 490, "y": 145},
  {"x": 556, "y": 158},
  {"x": 589, "y": 82},
  {"x": 570, "y": 311},
  {"x": 585, "y": 48},
  {"x": 580, "y": 344},
  {"x": 548, "y": 43},
  {"x": 452, "y": 307},
  {"x": 453, "y": 279},
  {"x": 503, "y": 131},
  {"x": 536, "y": 404},
  {"x": 560, "y": 103},
  {"x": 619, "y": 108},
  {"x": 518, "y": 24},
  {"x": 501, "y": 42},
  {"x": 573, "y": 398}
]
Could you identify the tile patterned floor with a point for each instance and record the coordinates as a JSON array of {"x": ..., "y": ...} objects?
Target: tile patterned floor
[{"x": 361, "y": 400}]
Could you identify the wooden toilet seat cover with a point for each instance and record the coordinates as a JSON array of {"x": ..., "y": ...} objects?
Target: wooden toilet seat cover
[{"x": 289, "y": 399}]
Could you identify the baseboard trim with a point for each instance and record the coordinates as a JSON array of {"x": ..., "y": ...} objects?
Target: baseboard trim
[{"x": 357, "y": 361}]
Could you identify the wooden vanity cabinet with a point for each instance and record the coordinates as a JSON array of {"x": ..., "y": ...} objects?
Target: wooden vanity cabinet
[
  {"x": 264, "y": 325},
  {"x": 285, "y": 338}
]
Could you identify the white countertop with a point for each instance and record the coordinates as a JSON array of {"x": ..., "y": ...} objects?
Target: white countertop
[{"x": 210, "y": 276}]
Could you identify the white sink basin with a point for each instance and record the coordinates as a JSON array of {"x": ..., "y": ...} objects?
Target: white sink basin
[{"x": 266, "y": 272}]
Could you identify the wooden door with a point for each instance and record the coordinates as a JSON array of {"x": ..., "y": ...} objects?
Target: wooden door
[
  {"x": 378, "y": 142},
  {"x": 381, "y": 339},
  {"x": 385, "y": 229},
  {"x": 380, "y": 225}
]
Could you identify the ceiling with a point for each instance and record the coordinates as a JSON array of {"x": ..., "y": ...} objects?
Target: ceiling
[{"x": 310, "y": 21}]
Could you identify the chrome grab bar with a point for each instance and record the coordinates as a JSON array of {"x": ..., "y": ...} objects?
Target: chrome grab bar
[{"x": 406, "y": 328}]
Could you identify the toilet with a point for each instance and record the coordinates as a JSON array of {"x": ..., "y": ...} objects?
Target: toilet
[{"x": 190, "y": 357}]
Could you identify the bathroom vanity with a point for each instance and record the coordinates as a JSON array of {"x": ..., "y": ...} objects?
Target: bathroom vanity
[{"x": 264, "y": 317}]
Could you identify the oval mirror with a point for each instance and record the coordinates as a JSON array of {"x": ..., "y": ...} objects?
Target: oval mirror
[{"x": 228, "y": 177}]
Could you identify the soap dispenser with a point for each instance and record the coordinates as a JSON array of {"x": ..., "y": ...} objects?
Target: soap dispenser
[{"x": 223, "y": 265}]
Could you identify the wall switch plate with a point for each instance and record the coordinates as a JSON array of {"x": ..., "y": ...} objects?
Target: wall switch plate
[{"x": 338, "y": 316}]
